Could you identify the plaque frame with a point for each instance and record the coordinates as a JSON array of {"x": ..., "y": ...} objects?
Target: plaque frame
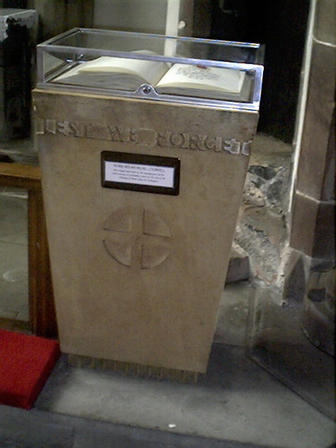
[{"x": 141, "y": 159}]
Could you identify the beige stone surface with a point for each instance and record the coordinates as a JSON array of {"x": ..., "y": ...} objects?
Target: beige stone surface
[{"x": 138, "y": 276}]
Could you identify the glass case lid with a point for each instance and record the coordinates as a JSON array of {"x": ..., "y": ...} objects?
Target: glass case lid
[{"x": 175, "y": 69}]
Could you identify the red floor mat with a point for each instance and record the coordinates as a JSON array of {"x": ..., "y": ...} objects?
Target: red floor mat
[{"x": 25, "y": 364}]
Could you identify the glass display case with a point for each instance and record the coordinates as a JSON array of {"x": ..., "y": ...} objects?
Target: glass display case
[{"x": 188, "y": 70}]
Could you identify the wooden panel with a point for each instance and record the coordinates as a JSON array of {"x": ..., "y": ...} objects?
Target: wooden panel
[
  {"x": 22, "y": 176},
  {"x": 41, "y": 299}
]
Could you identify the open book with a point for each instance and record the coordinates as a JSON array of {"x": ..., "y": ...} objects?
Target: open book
[{"x": 179, "y": 79}]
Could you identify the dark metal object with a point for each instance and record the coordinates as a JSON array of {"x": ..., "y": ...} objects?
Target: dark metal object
[{"x": 17, "y": 39}]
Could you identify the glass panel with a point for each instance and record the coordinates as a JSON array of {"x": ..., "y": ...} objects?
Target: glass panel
[
  {"x": 277, "y": 341},
  {"x": 175, "y": 47},
  {"x": 14, "y": 254}
]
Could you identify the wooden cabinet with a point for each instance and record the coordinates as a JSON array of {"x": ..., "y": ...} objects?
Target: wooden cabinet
[{"x": 41, "y": 300}]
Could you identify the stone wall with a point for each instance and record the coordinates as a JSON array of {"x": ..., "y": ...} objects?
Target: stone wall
[{"x": 262, "y": 229}]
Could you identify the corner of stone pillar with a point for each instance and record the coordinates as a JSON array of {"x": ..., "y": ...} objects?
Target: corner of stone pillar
[{"x": 310, "y": 272}]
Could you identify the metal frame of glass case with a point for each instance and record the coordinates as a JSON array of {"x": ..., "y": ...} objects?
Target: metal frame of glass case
[{"x": 63, "y": 52}]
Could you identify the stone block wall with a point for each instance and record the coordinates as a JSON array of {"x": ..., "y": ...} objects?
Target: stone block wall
[{"x": 312, "y": 233}]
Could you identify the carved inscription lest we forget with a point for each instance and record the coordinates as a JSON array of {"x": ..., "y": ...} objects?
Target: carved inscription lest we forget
[{"x": 144, "y": 137}]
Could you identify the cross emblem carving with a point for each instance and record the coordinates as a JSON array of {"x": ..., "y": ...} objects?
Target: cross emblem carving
[{"x": 137, "y": 237}]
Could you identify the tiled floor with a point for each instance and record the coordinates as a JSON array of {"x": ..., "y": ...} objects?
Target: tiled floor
[
  {"x": 43, "y": 429},
  {"x": 13, "y": 254},
  {"x": 236, "y": 405}
]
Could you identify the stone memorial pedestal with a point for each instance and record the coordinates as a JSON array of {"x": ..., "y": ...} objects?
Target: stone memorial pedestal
[
  {"x": 138, "y": 275},
  {"x": 142, "y": 190}
]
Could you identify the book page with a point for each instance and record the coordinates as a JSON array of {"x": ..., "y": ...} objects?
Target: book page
[
  {"x": 144, "y": 71},
  {"x": 203, "y": 78}
]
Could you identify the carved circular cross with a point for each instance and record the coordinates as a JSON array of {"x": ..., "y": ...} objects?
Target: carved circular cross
[{"x": 137, "y": 237}]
